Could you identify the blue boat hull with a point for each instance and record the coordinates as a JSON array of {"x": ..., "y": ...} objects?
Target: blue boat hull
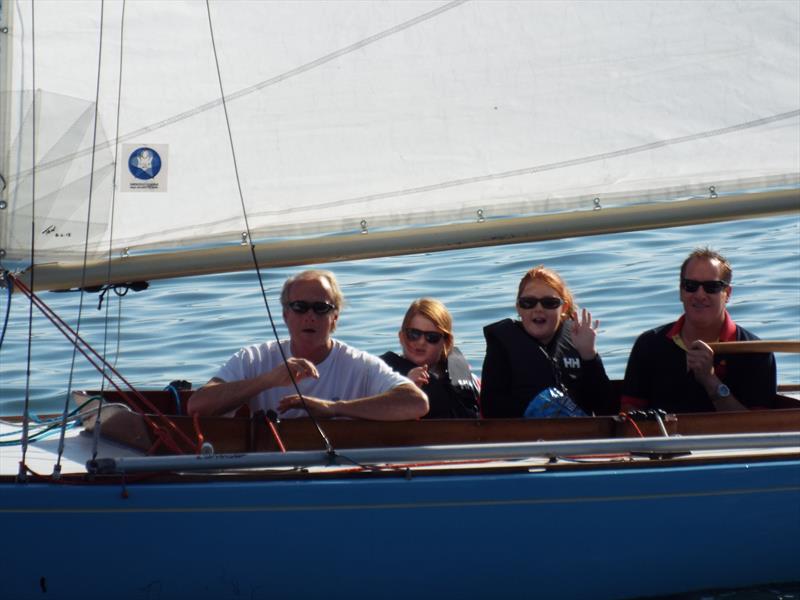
[{"x": 606, "y": 533}]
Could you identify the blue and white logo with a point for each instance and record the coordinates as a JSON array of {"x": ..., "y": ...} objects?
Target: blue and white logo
[{"x": 144, "y": 163}]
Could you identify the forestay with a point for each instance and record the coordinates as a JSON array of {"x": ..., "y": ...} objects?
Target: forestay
[{"x": 350, "y": 117}]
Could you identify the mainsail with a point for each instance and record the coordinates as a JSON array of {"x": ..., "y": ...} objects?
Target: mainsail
[{"x": 180, "y": 130}]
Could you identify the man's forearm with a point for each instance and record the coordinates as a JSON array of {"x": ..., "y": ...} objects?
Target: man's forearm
[
  {"x": 402, "y": 403},
  {"x": 219, "y": 397}
]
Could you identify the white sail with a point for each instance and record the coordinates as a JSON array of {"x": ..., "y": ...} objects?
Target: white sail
[{"x": 355, "y": 116}]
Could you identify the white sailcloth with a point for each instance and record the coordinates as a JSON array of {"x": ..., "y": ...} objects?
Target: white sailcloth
[{"x": 354, "y": 116}]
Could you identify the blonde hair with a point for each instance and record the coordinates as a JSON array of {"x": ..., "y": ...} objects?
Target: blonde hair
[
  {"x": 553, "y": 280},
  {"x": 436, "y": 313}
]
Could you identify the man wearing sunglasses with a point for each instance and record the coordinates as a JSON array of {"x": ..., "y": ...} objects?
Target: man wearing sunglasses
[
  {"x": 311, "y": 371},
  {"x": 673, "y": 368}
]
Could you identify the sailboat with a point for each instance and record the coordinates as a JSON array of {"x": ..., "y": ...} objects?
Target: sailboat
[{"x": 143, "y": 141}]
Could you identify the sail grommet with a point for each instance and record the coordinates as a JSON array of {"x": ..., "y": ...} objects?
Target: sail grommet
[
  {"x": 364, "y": 226},
  {"x": 597, "y": 205},
  {"x": 481, "y": 217},
  {"x": 4, "y": 30},
  {"x": 2, "y": 252},
  {"x": 712, "y": 191},
  {"x": 3, "y": 204}
]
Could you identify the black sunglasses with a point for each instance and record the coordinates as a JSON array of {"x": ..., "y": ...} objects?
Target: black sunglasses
[
  {"x": 548, "y": 302},
  {"x": 302, "y": 307},
  {"x": 710, "y": 287},
  {"x": 432, "y": 337}
]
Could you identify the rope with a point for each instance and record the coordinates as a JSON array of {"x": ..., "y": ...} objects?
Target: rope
[
  {"x": 9, "y": 287},
  {"x": 96, "y": 439},
  {"x": 57, "y": 467},
  {"x": 75, "y": 339},
  {"x": 48, "y": 425},
  {"x": 22, "y": 474},
  {"x": 328, "y": 446},
  {"x": 630, "y": 420}
]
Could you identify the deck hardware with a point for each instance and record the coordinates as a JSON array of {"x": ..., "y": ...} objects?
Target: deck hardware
[
  {"x": 244, "y": 238},
  {"x": 481, "y": 218},
  {"x": 597, "y": 205},
  {"x": 125, "y": 253},
  {"x": 364, "y": 226},
  {"x": 712, "y": 191},
  {"x": 660, "y": 423}
]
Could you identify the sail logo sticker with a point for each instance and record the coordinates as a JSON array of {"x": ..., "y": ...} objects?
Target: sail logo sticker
[{"x": 147, "y": 170}]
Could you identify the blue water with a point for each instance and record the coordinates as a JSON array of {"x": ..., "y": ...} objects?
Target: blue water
[{"x": 185, "y": 328}]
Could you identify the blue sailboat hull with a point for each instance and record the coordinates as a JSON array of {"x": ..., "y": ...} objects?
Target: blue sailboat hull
[{"x": 599, "y": 533}]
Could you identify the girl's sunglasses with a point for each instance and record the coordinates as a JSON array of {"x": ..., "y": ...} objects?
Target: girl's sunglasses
[
  {"x": 710, "y": 287},
  {"x": 548, "y": 302},
  {"x": 301, "y": 307},
  {"x": 432, "y": 337}
]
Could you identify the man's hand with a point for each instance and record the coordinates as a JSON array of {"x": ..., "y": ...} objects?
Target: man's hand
[
  {"x": 299, "y": 367},
  {"x": 316, "y": 406},
  {"x": 700, "y": 361}
]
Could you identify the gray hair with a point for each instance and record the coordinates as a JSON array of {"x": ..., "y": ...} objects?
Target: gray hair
[{"x": 319, "y": 274}]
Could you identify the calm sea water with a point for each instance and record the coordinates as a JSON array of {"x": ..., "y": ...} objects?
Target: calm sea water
[{"x": 185, "y": 328}]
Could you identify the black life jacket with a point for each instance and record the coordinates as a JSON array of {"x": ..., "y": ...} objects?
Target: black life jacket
[
  {"x": 453, "y": 395},
  {"x": 535, "y": 367}
]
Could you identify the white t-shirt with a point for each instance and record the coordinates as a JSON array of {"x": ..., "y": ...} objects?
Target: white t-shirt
[{"x": 345, "y": 374}]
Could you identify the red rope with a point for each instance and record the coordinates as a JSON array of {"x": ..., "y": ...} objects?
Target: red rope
[
  {"x": 630, "y": 420},
  {"x": 275, "y": 433},
  {"x": 74, "y": 339},
  {"x": 200, "y": 437}
]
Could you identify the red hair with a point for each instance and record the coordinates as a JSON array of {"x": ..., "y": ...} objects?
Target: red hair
[{"x": 551, "y": 279}]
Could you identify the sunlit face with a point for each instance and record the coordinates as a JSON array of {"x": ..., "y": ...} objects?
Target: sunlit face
[
  {"x": 539, "y": 322},
  {"x": 704, "y": 310},
  {"x": 310, "y": 329},
  {"x": 421, "y": 351}
]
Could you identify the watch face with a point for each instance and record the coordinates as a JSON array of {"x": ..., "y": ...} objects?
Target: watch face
[{"x": 723, "y": 391}]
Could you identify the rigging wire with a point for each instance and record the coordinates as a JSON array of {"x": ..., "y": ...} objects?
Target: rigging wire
[
  {"x": 113, "y": 206},
  {"x": 22, "y": 474},
  {"x": 76, "y": 340},
  {"x": 328, "y": 446},
  {"x": 8, "y": 285},
  {"x": 68, "y": 395}
]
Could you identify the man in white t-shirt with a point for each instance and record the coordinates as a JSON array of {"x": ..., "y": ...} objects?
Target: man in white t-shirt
[{"x": 335, "y": 380}]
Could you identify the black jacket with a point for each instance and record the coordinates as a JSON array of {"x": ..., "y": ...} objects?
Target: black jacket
[
  {"x": 517, "y": 367},
  {"x": 656, "y": 375},
  {"x": 454, "y": 395}
]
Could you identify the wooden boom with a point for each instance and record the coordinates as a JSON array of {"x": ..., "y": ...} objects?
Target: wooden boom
[{"x": 744, "y": 347}]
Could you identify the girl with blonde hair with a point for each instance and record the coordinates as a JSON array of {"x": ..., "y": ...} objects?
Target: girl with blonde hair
[{"x": 431, "y": 360}]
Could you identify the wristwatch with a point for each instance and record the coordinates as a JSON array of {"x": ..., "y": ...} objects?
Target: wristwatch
[{"x": 723, "y": 391}]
